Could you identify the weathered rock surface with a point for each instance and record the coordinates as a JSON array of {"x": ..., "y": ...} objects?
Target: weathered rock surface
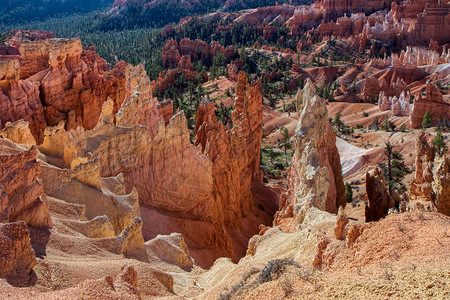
[
  {"x": 171, "y": 249},
  {"x": 16, "y": 255},
  {"x": 398, "y": 106},
  {"x": 432, "y": 103},
  {"x": 18, "y": 132},
  {"x": 24, "y": 198},
  {"x": 315, "y": 177},
  {"x": 71, "y": 83},
  {"x": 19, "y": 99},
  {"x": 431, "y": 183},
  {"x": 379, "y": 200},
  {"x": 340, "y": 230},
  {"x": 217, "y": 174}
]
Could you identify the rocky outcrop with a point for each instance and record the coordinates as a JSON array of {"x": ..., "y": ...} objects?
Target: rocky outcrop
[
  {"x": 140, "y": 107},
  {"x": 18, "y": 132},
  {"x": 340, "y": 229},
  {"x": 55, "y": 80},
  {"x": 165, "y": 110},
  {"x": 398, "y": 106},
  {"x": 173, "y": 52},
  {"x": 234, "y": 154},
  {"x": 377, "y": 194},
  {"x": 217, "y": 174},
  {"x": 23, "y": 194},
  {"x": 19, "y": 99},
  {"x": 431, "y": 183},
  {"x": 315, "y": 177},
  {"x": 433, "y": 103},
  {"x": 110, "y": 217},
  {"x": 433, "y": 23},
  {"x": 171, "y": 249},
  {"x": 16, "y": 255}
]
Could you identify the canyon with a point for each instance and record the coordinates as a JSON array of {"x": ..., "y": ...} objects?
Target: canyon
[{"x": 239, "y": 171}]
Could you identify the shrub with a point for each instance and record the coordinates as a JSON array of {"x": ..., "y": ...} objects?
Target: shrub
[
  {"x": 348, "y": 192},
  {"x": 439, "y": 143},
  {"x": 275, "y": 268},
  {"x": 365, "y": 114}
]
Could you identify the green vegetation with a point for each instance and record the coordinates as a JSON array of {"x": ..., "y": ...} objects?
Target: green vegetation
[
  {"x": 365, "y": 114},
  {"x": 394, "y": 170},
  {"x": 388, "y": 125},
  {"x": 439, "y": 143},
  {"x": 403, "y": 128},
  {"x": 18, "y": 11},
  {"x": 285, "y": 142},
  {"x": 348, "y": 192},
  {"x": 427, "y": 121}
]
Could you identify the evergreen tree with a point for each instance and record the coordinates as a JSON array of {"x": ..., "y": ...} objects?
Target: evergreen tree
[
  {"x": 427, "y": 122},
  {"x": 394, "y": 170},
  {"x": 285, "y": 142},
  {"x": 439, "y": 143},
  {"x": 338, "y": 123},
  {"x": 348, "y": 192}
]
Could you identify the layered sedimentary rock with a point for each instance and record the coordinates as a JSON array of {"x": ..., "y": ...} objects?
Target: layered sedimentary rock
[
  {"x": 379, "y": 200},
  {"x": 433, "y": 103},
  {"x": 71, "y": 177},
  {"x": 234, "y": 154},
  {"x": 23, "y": 194},
  {"x": 431, "y": 183},
  {"x": 172, "y": 249},
  {"x": 315, "y": 177},
  {"x": 140, "y": 107},
  {"x": 19, "y": 99},
  {"x": 55, "y": 80},
  {"x": 18, "y": 132},
  {"x": 204, "y": 180},
  {"x": 16, "y": 255}
]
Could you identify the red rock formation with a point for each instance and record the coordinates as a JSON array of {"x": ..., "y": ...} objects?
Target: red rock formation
[
  {"x": 170, "y": 54},
  {"x": 433, "y": 24},
  {"x": 140, "y": 107},
  {"x": 19, "y": 99},
  {"x": 194, "y": 50},
  {"x": 16, "y": 255},
  {"x": 64, "y": 81},
  {"x": 315, "y": 177},
  {"x": 23, "y": 194},
  {"x": 165, "y": 109},
  {"x": 431, "y": 183},
  {"x": 379, "y": 202},
  {"x": 234, "y": 154},
  {"x": 218, "y": 175},
  {"x": 432, "y": 103}
]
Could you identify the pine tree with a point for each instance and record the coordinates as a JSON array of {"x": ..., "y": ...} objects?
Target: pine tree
[
  {"x": 285, "y": 142},
  {"x": 439, "y": 143},
  {"x": 348, "y": 192},
  {"x": 427, "y": 122},
  {"x": 394, "y": 170}
]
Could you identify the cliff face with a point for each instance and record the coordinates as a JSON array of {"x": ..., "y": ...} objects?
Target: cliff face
[
  {"x": 433, "y": 103},
  {"x": 315, "y": 177},
  {"x": 216, "y": 174},
  {"x": 234, "y": 153},
  {"x": 56, "y": 79},
  {"x": 22, "y": 193},
  {"x": 431, "y": 183},
  {"x": 19, "y": 99},
  {"x": 17, "y": 256}
]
